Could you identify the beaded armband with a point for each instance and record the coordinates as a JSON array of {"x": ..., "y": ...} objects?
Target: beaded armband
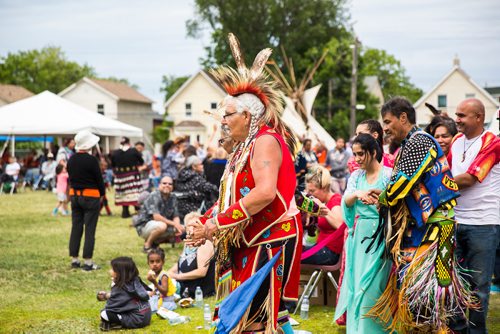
[{"x": 235, "y": 214}]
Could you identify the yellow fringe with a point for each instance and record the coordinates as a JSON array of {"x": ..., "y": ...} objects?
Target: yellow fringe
[
  {"x": 387, "y": 303},
  {"x": 264, "y": 309},
  {"x": 401, "y": 217}
]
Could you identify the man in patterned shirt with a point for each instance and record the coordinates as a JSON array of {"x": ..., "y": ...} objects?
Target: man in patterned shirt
[
  {"x": 417, "y": 221},
  {"x": 158, "y": 217}
]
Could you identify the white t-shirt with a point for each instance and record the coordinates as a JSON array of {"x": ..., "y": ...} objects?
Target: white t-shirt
[
  {"x": 478, "y": 204},
  {"x": 12, "y": 169}
]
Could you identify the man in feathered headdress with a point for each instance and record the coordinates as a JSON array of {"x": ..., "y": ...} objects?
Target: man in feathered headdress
[{"x": 255, "y": 218}]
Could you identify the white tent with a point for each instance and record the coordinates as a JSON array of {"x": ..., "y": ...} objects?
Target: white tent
[
  {"x": 50, "y": 114},
  {"x": 292, "y": 118}
]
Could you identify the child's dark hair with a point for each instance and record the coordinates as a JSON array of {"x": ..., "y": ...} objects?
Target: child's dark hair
[
  {"x": 157, "y": 251},
  {"x": 368, "y": 144},
  {"x": 374, "y": 127},
  {"x": 59, "y": 169},
  {"x": 125, "y": 270}
]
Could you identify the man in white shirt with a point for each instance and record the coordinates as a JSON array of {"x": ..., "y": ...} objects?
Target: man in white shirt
[{"x": 474, "y": 158}]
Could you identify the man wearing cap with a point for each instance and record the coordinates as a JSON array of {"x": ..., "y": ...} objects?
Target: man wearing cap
[
  {"x": 86, "y": 190},
  {"x": 48, "y": 173}
]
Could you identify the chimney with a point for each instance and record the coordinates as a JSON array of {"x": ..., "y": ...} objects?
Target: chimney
[{"x": 456, "y": 61}]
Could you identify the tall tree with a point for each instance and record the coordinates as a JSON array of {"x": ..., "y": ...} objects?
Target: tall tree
[
  {"x": 39, "y": 70},
  {"x": 296, "y": 24},
  {"x": 170, "y": 84},
  {"x": 391, "y": 74}
]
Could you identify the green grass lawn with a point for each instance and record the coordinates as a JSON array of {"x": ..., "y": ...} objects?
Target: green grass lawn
[{"x": 41, "y": 294}]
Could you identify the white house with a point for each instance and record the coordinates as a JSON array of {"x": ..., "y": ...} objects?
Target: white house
[
  {"x": 187, "y": 106},
  {"x": 452, "y": 89},
  {"x": 114, "y": 100}
]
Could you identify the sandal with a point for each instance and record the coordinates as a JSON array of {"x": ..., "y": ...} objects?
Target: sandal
[{"x": 146, "y": 250}]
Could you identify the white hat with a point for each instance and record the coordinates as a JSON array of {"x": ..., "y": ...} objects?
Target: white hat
[{"x": 85, "y": 140}]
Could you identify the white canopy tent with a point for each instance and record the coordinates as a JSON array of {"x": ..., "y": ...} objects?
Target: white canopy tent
[
  {"x": 50, "y": 114},
  {"x": 292, "y": 118}
]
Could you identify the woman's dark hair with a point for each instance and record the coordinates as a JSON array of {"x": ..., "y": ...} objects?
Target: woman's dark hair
[
  {"x": 166, "y": 147},
  {"x": 441, "y": 120},
  {"x": 125, "y": 140},
  {"x": 368, "y": 144},
  {"x": 125, "y": 269},
  {"x": 157, "y": 251},
  {"x": 374, "y": 127},
  {"x": 59, "y": 169}
]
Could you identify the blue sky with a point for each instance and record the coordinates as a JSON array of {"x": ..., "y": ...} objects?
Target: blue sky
[{"x": 143, "y": 40}]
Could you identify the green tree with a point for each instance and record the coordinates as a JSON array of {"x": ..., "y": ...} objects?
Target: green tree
[
  {"x": 39, "y": 70},
  {"x": 170, "y": 84},
  {"x": 336, "y": 72},
  {"x": 263, "y": 23},
  {"x": 391, "y": 74}
]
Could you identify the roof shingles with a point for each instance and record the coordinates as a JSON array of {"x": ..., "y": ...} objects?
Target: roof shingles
[
  {"x": 13, "y": 93},
  {"x": 122, "y": 91}
]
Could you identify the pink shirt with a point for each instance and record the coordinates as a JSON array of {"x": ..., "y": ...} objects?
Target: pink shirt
[{"x": 62, "y": 182}]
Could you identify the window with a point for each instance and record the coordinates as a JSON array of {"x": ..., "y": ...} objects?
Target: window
[
  {"x": 442, "y": 101},
  {"x": 470, "y": 95},
  {"x": 189, "y": 111},
  {"x": 100, "y": 109},
  {"x": 213, "y": 105}
]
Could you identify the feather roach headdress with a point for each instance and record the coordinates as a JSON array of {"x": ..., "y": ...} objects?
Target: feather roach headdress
[{"x": 254, "y": 81}]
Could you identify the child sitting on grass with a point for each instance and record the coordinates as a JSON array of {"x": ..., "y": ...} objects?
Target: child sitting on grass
[
  {"x": 127, "y": 304},
  {"x": 61, "y": 190},
  {"x": 163, "y": 285}
]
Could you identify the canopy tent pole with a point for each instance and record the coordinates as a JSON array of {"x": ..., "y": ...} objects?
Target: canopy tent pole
[
  {"x": 106, "y": 144},
  {"x": 5, "y": 145},
  {"x": 13, "y": 146}
]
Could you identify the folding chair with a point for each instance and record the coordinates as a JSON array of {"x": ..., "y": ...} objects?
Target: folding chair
[
  {"x": 11, "y": 184},
  {"x": 315, "y": 278}
]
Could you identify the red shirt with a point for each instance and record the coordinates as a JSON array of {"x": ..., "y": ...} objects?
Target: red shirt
[{"x": 325, "y": 229}]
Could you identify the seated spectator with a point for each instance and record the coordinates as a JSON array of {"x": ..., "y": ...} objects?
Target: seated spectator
[
  {"x": 330, "y": 225},
  {"x": 158, "y": 217},
  {"x": 163, "y": 286},
  {"x": 12, "y": 169},
  {"x": 32, "y": 165},
  {"x": 192, "y": 188},
  {"x": 195, "y": 267},
  {"x": 47, "y": 178}
]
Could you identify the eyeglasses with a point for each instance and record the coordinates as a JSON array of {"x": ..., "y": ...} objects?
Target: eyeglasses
[
  {"x": 168, "y": 183},
  {"x": 223, "y": 140},
  {"x": 229, "y": 115}
]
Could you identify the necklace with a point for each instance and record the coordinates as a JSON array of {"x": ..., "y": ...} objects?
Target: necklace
[{"x": 465, "y": 150}]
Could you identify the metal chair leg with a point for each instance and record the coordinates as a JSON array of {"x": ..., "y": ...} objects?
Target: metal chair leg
[
  {"x": 332, "y": 279},
  {"x": 318, "y": 278},
  {"x": 306, "y": 288}
]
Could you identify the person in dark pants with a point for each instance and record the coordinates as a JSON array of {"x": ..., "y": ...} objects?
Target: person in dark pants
[{"x": 86, "y": 191}]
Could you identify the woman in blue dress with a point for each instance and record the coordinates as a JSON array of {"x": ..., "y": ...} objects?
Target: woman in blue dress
[{"x": 366, "y": 272}]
